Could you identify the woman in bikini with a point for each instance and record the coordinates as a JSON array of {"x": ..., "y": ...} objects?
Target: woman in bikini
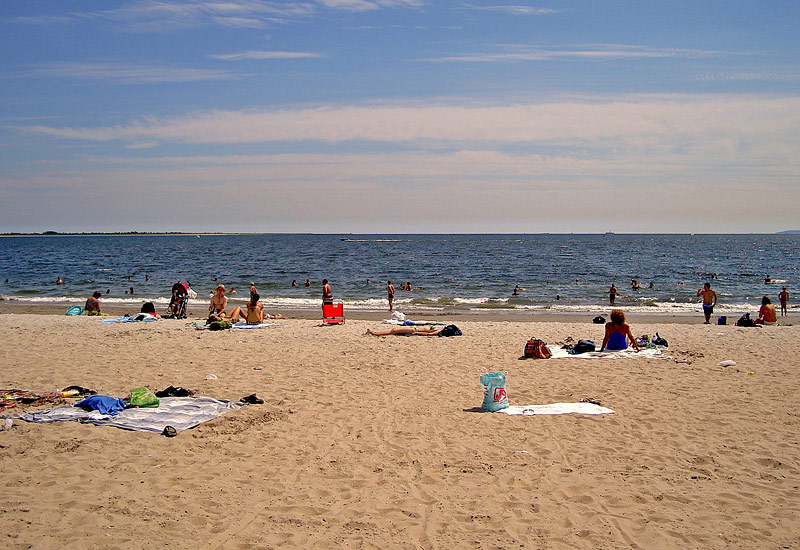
[
  {"x": 617, "y": 333},
  {"x": 254, "y": 315},
  {"x": 92, "y": 306}
]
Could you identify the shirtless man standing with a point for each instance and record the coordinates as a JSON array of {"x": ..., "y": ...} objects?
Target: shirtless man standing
[
  {"x": 709, "y": 301},
  {"x": 390, "y": 293},
  {"x": 783, "y": 297},
  {"x": 327, "y": 294}
]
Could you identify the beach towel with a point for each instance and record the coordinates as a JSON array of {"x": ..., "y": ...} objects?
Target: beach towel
[
  {"x": 262, "y": 325},
  {"x": 410, "y": 323},
  {"x": 649, "y": 353},
  {"x": 181, "y": 413},
  {"x": 556, "y": 408},
  {"x": 138, "y": 318}
]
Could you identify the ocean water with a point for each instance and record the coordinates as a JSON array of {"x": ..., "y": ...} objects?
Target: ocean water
[{"x": 447, "y": 272}]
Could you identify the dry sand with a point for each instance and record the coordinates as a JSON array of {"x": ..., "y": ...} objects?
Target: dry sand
[{"x": 369, "y": 442}]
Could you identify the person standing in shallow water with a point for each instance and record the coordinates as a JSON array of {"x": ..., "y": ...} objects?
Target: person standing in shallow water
[
  {"x": 783, "y": 298},
  {"x": 390, "y": 294},
  {"x": 709, "y": 301},
  {"x": 612, "y": 294}
]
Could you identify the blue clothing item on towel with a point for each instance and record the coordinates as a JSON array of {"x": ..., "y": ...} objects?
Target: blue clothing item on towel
[
  {"x": 103, "y": 404},
  {"x": 616, "y": 342}
]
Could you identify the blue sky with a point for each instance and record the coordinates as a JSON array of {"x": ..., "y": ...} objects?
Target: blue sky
[{"x": 399, "y": 116}]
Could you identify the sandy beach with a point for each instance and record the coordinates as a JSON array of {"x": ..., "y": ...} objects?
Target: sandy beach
[{"x": 368, "y": 442}]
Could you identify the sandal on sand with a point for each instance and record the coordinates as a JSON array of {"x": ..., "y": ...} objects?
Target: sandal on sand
[{"x": 252, "y": 400}]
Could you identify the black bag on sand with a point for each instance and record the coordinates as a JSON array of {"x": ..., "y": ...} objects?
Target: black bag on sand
[
  {"x": 599, "y": 320},
  {"x": 450, "y": 330},
  {"x": 745, "y": 321},
  {"x": 583, "y": 346},
  {"x": 723, "y": 320}
]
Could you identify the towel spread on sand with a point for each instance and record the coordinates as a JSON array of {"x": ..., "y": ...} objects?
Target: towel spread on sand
[
  {"x": 181, "y": 413},
  {"x": 138, "y": 318},
  {"x": 556, "y": 408},
  {"x": 262, "y": 325},
  {"x": 649, "y": 353}
]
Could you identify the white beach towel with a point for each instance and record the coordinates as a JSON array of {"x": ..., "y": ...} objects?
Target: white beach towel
[
  {"x": 556, "y": 408},
  {"x": 262, "y": 325},
  {"x": 648, "y": 353},
  {"x": 181, "y": 413}
]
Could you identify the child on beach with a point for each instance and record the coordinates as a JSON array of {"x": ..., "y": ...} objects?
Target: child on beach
[
  {"x": 709, "y": 301},
  {"x": 617, "y": 333}
]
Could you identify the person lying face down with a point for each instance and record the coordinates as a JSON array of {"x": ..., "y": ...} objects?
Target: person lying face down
[
  {"x": 407, "y": 331},
  {"x": 617, "y": 333}
]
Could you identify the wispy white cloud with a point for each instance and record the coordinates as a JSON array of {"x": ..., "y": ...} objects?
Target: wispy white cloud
[
  {"x": 132, "y": 74},
  {"x": 265, "y": 55},
  {"x": 775, "y": 76},
  {"x": 165, "y": 16},
  {"x": 370, "y": 5},
  {"x": 511, "y": 53},
  {"x": 512, "y": 9},
  {"x": 722, "y": 130},
  {"x": 241, "y": 22}
]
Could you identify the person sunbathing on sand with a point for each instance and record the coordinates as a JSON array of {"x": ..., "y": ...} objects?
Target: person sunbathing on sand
[
  {"x": 407, "y": 331},
  {"x": 617, "y": 332}
]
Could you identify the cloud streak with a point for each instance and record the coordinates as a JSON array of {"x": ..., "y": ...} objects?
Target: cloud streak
[
  {"x": 512, "y": 9},
  {"x": 163, "y": 17},
  {"x": 265, "y": 55},
  {"x": 641, "y": 122},
  {"x": 514, "y": 53},
  {"x": 122, "y": 73}
]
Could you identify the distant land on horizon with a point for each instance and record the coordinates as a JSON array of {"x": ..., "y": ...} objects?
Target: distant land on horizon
[{"x": 211, "y": 233}]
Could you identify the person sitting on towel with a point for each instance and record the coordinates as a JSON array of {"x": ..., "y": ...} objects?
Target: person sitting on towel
[
  {"x": 767, "y": 315},
  {"x": 617, "y": 333},
  {"x": 254, "y": 315},
  {"x": 92, "y": 306}
]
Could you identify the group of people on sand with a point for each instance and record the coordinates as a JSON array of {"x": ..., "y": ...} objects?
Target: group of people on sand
[
  {"x": 767, "y": 314},
  {"x": 253, "y": 313}
]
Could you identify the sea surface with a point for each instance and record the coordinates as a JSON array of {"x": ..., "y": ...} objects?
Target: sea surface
[{"x": 447, "y": 272}]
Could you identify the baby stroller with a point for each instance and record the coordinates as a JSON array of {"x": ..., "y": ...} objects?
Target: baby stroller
[{"x": 177, "y": 304}]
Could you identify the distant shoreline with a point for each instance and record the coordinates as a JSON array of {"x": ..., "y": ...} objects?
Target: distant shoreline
[{"x": 216, "y": 234}]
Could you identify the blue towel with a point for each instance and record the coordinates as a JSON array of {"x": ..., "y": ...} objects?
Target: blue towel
[{"x": 103, "y": 404}]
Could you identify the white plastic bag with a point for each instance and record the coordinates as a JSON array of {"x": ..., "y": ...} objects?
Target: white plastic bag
[{"x": 494, "y": 391}]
